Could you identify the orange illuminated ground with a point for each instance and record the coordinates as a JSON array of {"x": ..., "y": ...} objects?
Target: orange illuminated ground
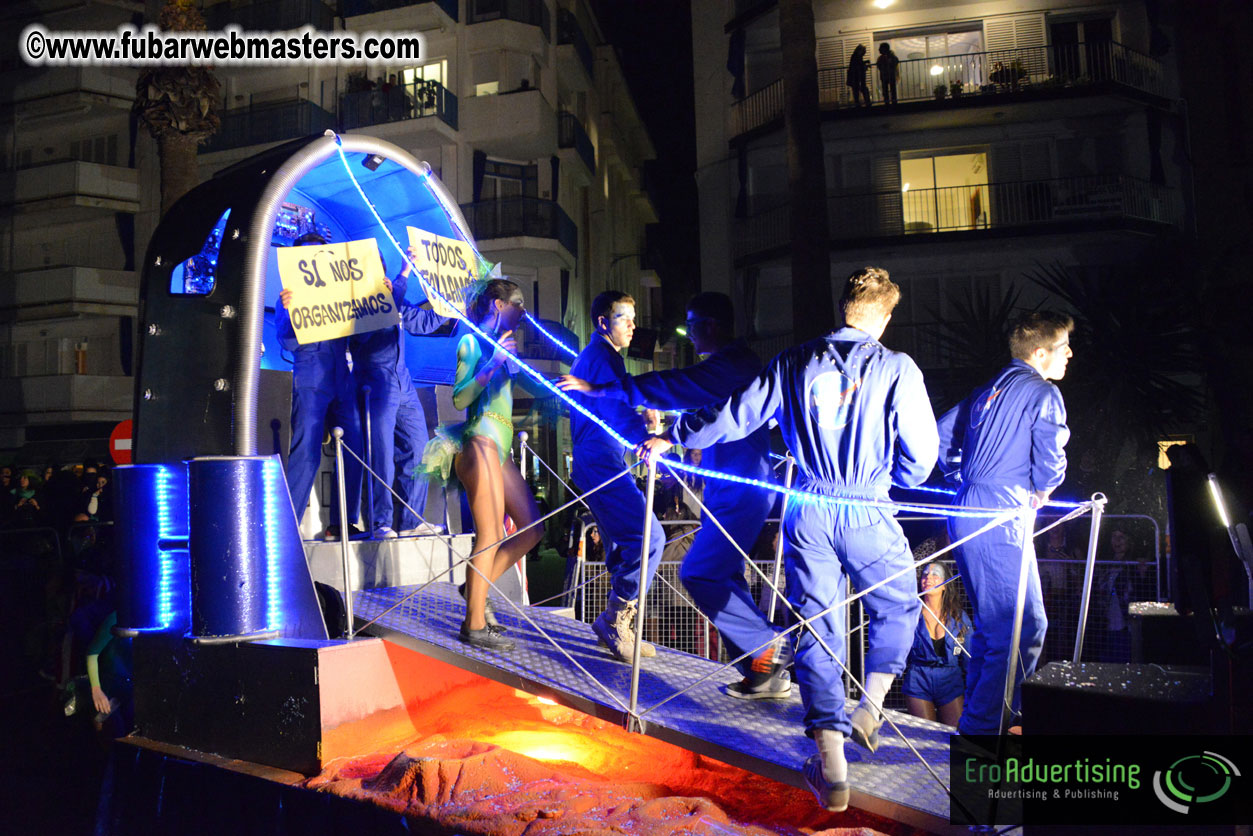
[{"x": 491, "y": 760}]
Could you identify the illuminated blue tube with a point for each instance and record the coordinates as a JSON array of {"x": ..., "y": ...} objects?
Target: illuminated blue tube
[
  {"x": 151, "y": 530},
  {"x": 248, "y": 570}
]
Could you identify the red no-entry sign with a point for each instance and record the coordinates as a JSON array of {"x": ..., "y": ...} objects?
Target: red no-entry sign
[{"x": 120, "y": 442}]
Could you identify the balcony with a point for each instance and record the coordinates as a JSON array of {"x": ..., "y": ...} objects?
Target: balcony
[
  {"x": 575, "y": 62},
  {"x": 72, "y": 189},
  {"x": 418, "y": 14},
  {"x": 78, "y": 92},
  {"x": 1032, "y": 205},
  {"x": 47, "y": 399},
  {"x": 268, "y": 123},
  {"x": 68, "y": 291},
  {"x": 402, "y": 103},
  {"x": 530, "y": 12},
  {"x": 570, "y": 134},
  {"x": 519, "y": 125},
  {"x": 1002, "y": 75},
  {"x": 527, "y": 231},
  {"x": 271, "y": 15}
]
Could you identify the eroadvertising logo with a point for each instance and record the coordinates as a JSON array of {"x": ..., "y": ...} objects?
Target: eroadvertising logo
[
  {"x": 1098, "y": 780},
  {"x": 1193, "y": 780}
]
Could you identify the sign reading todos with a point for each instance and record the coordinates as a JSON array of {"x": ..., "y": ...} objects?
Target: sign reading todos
[
  {"x": 337, "y": 290},
  {"x": 450, "y": 265}
]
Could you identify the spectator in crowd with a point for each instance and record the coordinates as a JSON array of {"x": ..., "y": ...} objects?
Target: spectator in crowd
[
  {"x": 1059, "y": 572},
  {"x": 935, "y": 674},
  {"x": 887, "y": 63},
  {"x": 1124, "y": 579}
]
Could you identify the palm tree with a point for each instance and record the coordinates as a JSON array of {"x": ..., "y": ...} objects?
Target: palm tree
[
  {"x": 975, "y": 342},
  {"x": 811, "y": 257},
  {"x": 179, "y": 105}
]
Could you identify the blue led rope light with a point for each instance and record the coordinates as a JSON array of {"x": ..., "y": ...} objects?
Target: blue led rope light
[
  {"x": 165, "y": 583},
  {"x": 792, "y": 493},
  {"x": 540, "y": 328},
  {"x": 273, "y": 552}
]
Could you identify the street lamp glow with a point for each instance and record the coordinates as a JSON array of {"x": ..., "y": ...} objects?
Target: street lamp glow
[{"x": 905, "y": 187}]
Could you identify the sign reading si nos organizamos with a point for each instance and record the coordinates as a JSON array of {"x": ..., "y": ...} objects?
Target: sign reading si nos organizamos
[
  {"x": 337, "y": 290},
  {"x": 450, "y": 265}
]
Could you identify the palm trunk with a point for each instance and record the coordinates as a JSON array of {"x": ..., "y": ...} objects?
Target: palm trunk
[
  {"x": 179, "y": 166},
  {"x": 812, "y": 306}
]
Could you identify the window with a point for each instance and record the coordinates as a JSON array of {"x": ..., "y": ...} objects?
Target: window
[
  {"x": 504, "y": 71},
  {"x": 502, "y": 179},
  {"x": 935, "y": 57},
  {"x": 436, "y": 71},
  {"x": 945, "y": 191}
]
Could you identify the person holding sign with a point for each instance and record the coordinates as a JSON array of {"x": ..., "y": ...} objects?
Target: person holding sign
[
  {"x": 379, "y": 362},
  {"x": 478, "y": 451},
  {"x": 322, "y": 387}
]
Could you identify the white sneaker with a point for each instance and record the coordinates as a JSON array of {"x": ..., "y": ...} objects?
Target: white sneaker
[
  {"x": 424, "y": 529},
  {"x": 384, "y": 532}
]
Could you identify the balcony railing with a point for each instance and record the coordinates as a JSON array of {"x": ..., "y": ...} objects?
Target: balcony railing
[
  {"x": 271, "y": 15},
  {"x": 569, "y": 32},
  {"x": 510, "y": 217},
  {"x": 974, "y": 208},
  {"x": 570, "y": 134},
  {"x": 1042, "y": 68},
  {"x": 352, "y": 8},
  {"x": 265, "y": 123},
  {"x": 415, "y": 100},
  {"x": 532, "y": 12}
]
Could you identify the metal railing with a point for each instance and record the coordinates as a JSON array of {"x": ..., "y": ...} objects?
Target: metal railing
[
  {"x": 1055, "y": 67},
  {"x": 351, "y": 8},
  {"x": 508, "y": 217},
  {"x": 273, "y": 122},
  {"x": 972, "y": 208},
  {"x": 570, "y": 33},
  {"x": 570, "y": 134},
  {"x": 415, "y": 100},
  {"x": 532, "y": 12}
]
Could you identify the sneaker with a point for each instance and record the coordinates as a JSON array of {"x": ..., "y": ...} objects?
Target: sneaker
[
  {"x": 485, "y": 639},
  {"x": 355, "y": 532},
  {"x": 489, "y": 612},
  {"x": 424, "y": 529},
  {"x": 776, "y": 687},
  {"x": 865, "y": 732},
  {"x": 615, "y": 628},
  {"x": 383, "y": 532},
  {"x": 831, "y": 797}
]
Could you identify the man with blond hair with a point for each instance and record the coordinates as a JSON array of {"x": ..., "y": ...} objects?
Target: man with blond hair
[{"x": 857, "y": 418}]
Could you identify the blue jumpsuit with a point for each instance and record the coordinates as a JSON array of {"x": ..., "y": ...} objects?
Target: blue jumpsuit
[
  {"x": 321, "y": 386},
  {"x": 930, "y": 676},
  {"x": 619, "y": 507},
  {"x": 712, "y": 570},
  {"x": 379, "y": 362},
  {"x": 1009, "y": 438},
  {"x": 857, "y": 418}
]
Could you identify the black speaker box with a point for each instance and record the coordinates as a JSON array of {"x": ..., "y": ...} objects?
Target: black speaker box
[{"x": 274, "y": 414}]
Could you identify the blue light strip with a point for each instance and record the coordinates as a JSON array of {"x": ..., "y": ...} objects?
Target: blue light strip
[
  {"x": 800, "y": 496},
  {"x": 273, "y": 551},
  {"x": 557, "y": 342},
  {"x": 165, "y": 583}
]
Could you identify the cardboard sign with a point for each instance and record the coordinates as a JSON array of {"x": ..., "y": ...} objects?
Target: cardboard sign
[
  {"x": 450, "y": 265},
  {"x": 337, "y": 290}
]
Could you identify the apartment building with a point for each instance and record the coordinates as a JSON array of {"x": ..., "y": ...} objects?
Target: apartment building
[
  {"x": 1024, "y": 134},
  {"x": 70, "y": 192},
  {"x": 518, "y": 106}
]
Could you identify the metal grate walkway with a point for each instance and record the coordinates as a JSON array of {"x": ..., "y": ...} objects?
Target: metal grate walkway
[{"x": 763, "y": 736}]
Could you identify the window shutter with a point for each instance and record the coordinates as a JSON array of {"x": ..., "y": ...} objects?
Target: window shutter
[
  {"x": 885, "y": 172},
  {"x": 831, "y": 61}
]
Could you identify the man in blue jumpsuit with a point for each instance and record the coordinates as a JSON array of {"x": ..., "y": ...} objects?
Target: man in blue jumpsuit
[
  {"x": 1009, "y": 438},
  {"x": 713, "y": 570},
  {"x": 619, "y": 507},
  {"x": 379, "y": 362},
  {"x": 857, "y": 418},
  {"x": 322, "y": 387}
]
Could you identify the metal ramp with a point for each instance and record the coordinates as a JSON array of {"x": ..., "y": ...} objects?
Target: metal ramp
[{"x": 763, "y": 736}]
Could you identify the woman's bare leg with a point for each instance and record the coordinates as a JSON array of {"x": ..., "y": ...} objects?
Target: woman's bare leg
[
  {"x": 951, "y": 712},
  {"x": 921, "y": 708},
  {"x": 478, "y": 469},
  {"x": 523, "y": 510}
]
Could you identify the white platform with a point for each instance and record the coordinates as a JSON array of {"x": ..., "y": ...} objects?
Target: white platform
[{"x": 403, "y": 561}]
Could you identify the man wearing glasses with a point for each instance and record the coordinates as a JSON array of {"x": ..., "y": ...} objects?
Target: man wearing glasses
[
  {"x": 1007, "y": 439},
  {"x": 713, "y": 569}
]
